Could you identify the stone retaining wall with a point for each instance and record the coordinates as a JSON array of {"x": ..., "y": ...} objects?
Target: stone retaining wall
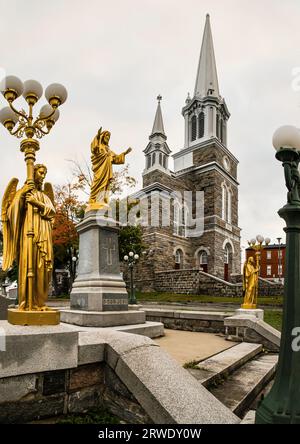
[
  {"x": 31, "y": 397},
  {"x": 68, "y": 369},
  {"x": 197, "y": 282},
  {"x": 207, "y": 322}
]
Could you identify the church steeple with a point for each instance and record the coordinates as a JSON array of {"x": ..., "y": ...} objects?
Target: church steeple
[
  {"x": 157, "y": 151},
  {"x": 207, "y": 78},
  {"x": 158, "y": 126},
  {"x": 206, "y": 114}
]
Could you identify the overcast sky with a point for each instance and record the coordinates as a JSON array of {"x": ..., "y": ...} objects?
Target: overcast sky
[{"x": 116, "y": 56}]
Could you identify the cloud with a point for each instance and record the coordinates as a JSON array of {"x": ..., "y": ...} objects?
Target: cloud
[{"x": 115, "y": 57}]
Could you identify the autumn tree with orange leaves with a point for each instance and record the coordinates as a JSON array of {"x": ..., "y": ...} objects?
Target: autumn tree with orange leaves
[{"x": 69, "y": 211}]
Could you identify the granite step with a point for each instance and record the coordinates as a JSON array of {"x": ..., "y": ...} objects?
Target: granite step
[
  {"x": 150, "y": 329},
  {"x": 213, "y": 370},
  {"x": 241, "y": 388}
]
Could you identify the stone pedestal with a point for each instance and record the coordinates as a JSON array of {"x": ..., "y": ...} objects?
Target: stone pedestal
[
  {"x": 99, "y": 285},
  {"x": 257, "y": 312},
  {"x": 99, "y": 295}
]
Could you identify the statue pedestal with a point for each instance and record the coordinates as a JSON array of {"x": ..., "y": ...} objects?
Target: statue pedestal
[
  {"x": 99, "y": 297},
  {"x": 257, "y": 312},
  {"x": 34, "y": 317}
]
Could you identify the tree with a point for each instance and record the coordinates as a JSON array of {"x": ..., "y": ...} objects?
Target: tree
[{"x": 69, "y": 211}]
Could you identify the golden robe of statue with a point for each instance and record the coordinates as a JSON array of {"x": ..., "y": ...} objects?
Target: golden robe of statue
[
  {"x": 250, "y": 283},
  {"x": 16, "y": 233},
  {"x": 102, "y": 160}
]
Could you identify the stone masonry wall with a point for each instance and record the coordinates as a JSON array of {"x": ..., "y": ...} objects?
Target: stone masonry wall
[
  {"x": 35, "y": 396},
  {"x": 198, "y": 282}
]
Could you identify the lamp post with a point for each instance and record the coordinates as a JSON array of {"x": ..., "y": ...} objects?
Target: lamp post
[
  {"x": 279, "y": 258},
  {"x": 131, "y": 260},
  {"x": 282, "y": 404},
  {"x": 12, "y": 87}
]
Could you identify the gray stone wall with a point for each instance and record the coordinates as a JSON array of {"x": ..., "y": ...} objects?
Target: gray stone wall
[
  {"x": 189, "y": 320},
  {"x": 41, "y": 395},
  {"x": 193, "y": 281}
]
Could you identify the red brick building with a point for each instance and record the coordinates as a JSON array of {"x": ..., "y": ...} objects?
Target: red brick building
[{"x": 272, "y": 261}]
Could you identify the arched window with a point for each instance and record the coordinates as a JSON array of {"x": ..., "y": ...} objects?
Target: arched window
[
  {"x": 203, "y": 260},
  {"x": 178, "y": 259},
  {"x": 176, "y": 219},
  {"x": 223, "y": 134},
  {"x": 160, "y": 159},
  {"x": 153, "y": 159},
  {"x": 194, "y": 128},
  {"x": 165, "y": 161},
  {"x": 226, "y": 255},
  {"x": 229, "y": 199},
  {"x": 224, "y": 201},
  {"x": 218, "y": 126},
  {"x": 149, "y": 161},
  {"x": 201, "y": 125},
  {"x": 221, "y": 130}
]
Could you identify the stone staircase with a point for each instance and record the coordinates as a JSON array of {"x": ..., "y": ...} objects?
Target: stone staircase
[{"x": 238, "y": 375}]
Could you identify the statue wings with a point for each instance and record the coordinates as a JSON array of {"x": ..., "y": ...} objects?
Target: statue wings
[
  {"x": 9, "y": 239},
  {"x": 48, "y": 190},
  {"x": 8, "y": 197}
]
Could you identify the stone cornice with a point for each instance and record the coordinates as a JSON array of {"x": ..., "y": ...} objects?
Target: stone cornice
[{"x": 205, "y": 143}]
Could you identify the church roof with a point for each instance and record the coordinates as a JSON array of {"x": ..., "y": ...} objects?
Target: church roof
[
  {"x": 207, "y": 78},
  {"x": 158, "y": 126}
]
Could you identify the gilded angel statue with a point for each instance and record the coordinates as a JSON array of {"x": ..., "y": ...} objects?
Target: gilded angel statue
[
  {"x": 28, "y": 217},
  {"x": 250, "y": 282},
  {"x": 102, "y": 160}
]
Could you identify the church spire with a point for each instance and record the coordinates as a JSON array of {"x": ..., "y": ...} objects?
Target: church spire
[
  {"x": 157, "y": 151},
  {"x": 158, "y": 126},
  {"x": 207, "y": 78}
]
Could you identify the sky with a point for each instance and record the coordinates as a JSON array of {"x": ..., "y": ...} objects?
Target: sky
[{"x": 115, "y": 58}]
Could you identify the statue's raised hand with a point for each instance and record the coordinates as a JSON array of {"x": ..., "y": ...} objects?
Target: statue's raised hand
[{"x": 128, "y": 151}]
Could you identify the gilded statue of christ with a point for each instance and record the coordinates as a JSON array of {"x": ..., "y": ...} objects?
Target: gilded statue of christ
[{"x": 102, "y": 160}]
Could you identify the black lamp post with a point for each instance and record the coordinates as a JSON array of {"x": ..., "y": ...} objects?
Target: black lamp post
[
  {"x": 282, "y": 404},
  {"x": 131, "y": 260}
]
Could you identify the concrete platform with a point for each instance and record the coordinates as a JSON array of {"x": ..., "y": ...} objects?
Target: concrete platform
[
  {"x": 150, "y": 329},
  {"x": 102, "y": 319}
]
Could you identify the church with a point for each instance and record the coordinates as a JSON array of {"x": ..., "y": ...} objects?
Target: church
[{"x": 204, "y": 166}]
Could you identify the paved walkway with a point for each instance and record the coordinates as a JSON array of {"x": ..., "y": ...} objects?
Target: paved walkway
[{"x": 187, "y": 346}]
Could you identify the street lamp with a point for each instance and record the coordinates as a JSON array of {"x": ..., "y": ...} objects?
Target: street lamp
[
  {"x": 282, "y": 404},
  {"x": 12, "y": 87},
  {"x": 131, "y": 260}
]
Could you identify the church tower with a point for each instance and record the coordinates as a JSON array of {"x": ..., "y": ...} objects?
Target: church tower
[
  {"x": 206, "y": 114},
  {"x": 203, "y": 164},
  {"x": 157, "y": 151}
]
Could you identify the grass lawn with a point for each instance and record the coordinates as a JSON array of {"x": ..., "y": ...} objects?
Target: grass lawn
[
  {"x": 274, "y": 318},
  {"x": 95, "y": 416},
  {"x": 184, "y": 298}
]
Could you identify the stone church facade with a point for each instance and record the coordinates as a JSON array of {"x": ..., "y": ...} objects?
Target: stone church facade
[{"x": 204, "y": 167}]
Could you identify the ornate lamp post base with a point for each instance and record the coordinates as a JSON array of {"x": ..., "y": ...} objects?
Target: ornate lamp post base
[{"x": 17, "y": 317}]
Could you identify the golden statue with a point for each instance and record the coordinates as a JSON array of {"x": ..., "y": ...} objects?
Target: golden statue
[
  {"x": 102, "y": 160},
  {"x": 250, "y": 282},
  {"x": 28, "y": 216}
]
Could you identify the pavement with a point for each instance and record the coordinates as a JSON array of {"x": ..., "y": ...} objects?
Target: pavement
[{"x": 187, "y": 346}]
